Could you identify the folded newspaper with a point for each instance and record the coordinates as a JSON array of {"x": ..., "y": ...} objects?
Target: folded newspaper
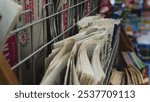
[
  {"x": 9, "y": 13},
  {"x": 81, "y": 59}
]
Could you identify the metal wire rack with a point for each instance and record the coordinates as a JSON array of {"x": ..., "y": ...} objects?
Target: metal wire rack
[{"x": 29, "y": 75}]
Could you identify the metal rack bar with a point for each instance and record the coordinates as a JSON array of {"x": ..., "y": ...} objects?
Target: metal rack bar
[
  {"x": 41, "y": 20},
  {"x": 35, "y": 52},
  {"x": 112, "y": 57},
  {"x": 24, "y": 12},
  {"x": 44, "y": 7},
  {"x": 19, "y": 59},
  {"x": 48, "y": 4}
]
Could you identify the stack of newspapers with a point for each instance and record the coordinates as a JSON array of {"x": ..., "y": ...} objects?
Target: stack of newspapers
[
  {"x": 81, "y": 59},
  {"x": 132, "y": 74}
]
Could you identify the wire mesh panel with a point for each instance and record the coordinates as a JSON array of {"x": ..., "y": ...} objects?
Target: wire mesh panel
[{"x": 42, "y": 23}]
